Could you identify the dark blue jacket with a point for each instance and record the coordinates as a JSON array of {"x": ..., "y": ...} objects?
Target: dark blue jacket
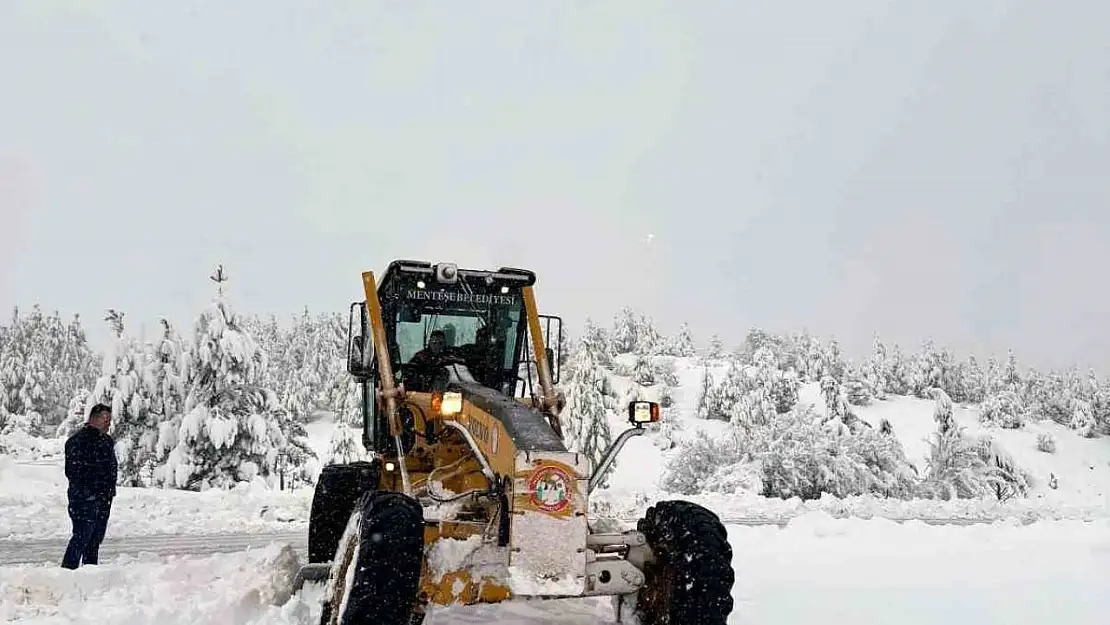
[{"x": 91, "y": 465}]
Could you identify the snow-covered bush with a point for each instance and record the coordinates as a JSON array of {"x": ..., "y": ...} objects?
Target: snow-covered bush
[
  {"x": 669, "y": 432},
  {"x": 1081, "y": 419},
  {"x": 802, "y": 458},
  {"x": 1003, "y": 409},
  {"x": 744, "y": 476},
  {"x": 1010, "y": 480},
  {"x": 24, "y": 424},
  {"x": 665, "y": 372},
  {"x": 1046, "y": 443},
  {"x": 694, "y": 462},
  {"x": 954, "y": 469},
  {"x": 959, "y": 467}
]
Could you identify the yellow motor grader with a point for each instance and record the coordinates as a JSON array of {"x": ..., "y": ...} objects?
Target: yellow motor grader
[{"x": 470, "y": 495}]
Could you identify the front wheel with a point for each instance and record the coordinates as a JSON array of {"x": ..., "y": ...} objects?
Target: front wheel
[
  {"x": 376, "y": 572},
  {"x": 690, "y": 578}
]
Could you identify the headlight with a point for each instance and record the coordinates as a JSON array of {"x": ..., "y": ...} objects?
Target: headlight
[
  {"x": 643, "y": 412},
  {"x": 451, "y": 404}
]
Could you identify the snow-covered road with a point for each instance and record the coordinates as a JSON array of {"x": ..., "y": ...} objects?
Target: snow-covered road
[
  {"x": 51, "y": 549},
  {"x": 817, "y": 570},
  {"x": 46, "y": 550}
]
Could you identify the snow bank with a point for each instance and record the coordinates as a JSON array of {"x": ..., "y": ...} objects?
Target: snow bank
[
  {"x": 244, "y": 588},
  {"x": 33, "y": 505},
  {"x": 629, "y": 506},
  {"x": 18, "y": 446},
  {"x": 815, "y": 570},
  {"x": 873, "y": 571}
]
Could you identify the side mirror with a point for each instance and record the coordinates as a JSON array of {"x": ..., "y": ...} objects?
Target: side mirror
[
  {"x": 640, "y": 413},
  {"x": 358, "y": 358},
  {"x": 354, "y": 355},
  {"x": 553, "y": 335}
]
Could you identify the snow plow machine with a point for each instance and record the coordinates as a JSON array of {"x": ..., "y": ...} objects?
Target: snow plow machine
[{"x": 469, "y": 495}]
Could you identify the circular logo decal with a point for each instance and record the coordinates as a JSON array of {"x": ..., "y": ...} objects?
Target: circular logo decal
[{"x": 550, "y": 488}]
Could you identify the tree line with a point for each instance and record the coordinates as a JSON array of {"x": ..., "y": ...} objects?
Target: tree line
[
  {"x": 782, "y": 449},
  {"x": 227, "y": 404}
]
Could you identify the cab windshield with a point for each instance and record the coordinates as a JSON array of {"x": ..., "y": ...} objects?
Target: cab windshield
[{"x": 482, "y": 330}]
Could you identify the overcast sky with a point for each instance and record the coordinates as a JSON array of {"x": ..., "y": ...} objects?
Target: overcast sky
[{"x": 912, "y": 168}]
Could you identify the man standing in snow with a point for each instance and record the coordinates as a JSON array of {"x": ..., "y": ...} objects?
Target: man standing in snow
[{"x": 91, "y": 468}]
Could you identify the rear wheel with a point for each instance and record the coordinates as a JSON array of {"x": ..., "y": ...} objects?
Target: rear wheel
[
  {"x": 376, "y": 572},
  {"x": 690, "y": 578}
]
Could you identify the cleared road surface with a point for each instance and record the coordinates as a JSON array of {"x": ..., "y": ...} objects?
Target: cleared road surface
[{"x": 51, "y": 549}]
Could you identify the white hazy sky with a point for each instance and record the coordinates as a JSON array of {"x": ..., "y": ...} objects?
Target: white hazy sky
[{"x": 913, "y": 168}]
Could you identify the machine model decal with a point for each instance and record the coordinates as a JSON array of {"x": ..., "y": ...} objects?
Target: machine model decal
[{"x": 550, "y": 488}]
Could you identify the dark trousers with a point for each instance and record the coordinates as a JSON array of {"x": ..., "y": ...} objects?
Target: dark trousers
[{"x": 90, "y": 521}]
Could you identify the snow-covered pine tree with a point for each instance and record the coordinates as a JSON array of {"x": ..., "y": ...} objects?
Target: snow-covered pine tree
[
  {"x": 648, "y": 340},
  {"x": 121, "y": 387},
  {"x": 341, "y": 393},
  {"x": 944, "y": 373},
  {"x": 26, "y": 369},
  {"x": 781, "y": 386},
  {"x": 301, "y": 379},
  {"x": 643, "y": 372},
  {"x": 973, "y": 381},
  {"x": 833, "y": 359},
  {"x": 76, "y": 370},
  {"x": 76, "y": 415},
  {"x": 918, "y": 372},
  {"x": 164, "y": 377},
  {"x": 874, "y": 371},
  {"x": 589, "y": 402},
  {"x": 232, "y": 429},
  {"x": 1011, "y": 377},
  {"x": 625, "y": 332},
  {"x": 725, "y": 396},
  {"x": 1082, "y": 419},
  {"x": 682, "y": 344},
  {"x": 705, "y": 393},
  {"x": 857, "y": 389},
  {"x": 942, "y": 410},
  {"x": 715, "y": 350},
  {"x": 992, "y": 375},
  {"x": 898, "y": 373},
  {"x": 564, "y": 351},
  {"x": 835, "y": 405},
  {"x": 345, "y": 445},
  {"x": 1100, "y": 403}
]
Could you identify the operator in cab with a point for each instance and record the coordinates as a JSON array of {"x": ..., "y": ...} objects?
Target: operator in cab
[
  {"x": 434, "y": 352},
  {"x": 423, "y": 363},
  {"x": 481, "y": 356}
]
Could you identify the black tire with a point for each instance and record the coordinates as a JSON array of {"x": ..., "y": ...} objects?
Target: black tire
[
  {"x": 691, "y": 579},
  {"x": 388, "y": 550},
  {"x": 337, "y": 490}
]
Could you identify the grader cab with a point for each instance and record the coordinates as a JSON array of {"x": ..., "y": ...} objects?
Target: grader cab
[{"x": 470, "y": 495}]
